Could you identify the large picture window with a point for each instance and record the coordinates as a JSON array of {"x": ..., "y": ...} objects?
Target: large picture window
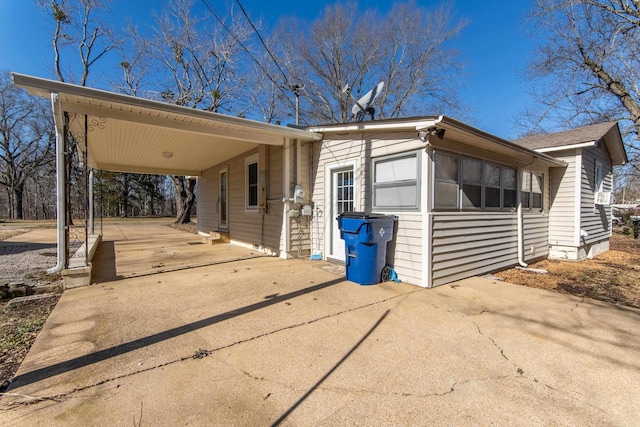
[
  {"x": 396, "y": 182},
  {"x": 463, "y": 182},
  {"x": 251, "y": 179}
]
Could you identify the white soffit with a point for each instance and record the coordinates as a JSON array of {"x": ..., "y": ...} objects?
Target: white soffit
[{"x": 131, "y": 134}]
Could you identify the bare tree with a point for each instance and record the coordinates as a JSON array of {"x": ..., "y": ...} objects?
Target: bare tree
[
  {"x": 194, "y": 64},
  {"x": 78, "y": 25},
  {"x": 588, "y": 65},
  {"x": 344, "y": 47},
  {"x": 26, "y": 141}
]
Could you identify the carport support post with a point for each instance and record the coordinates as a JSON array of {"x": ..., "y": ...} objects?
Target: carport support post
[
  {"x": 60, "y": 124},
  {"x": 90, "y": 207}
]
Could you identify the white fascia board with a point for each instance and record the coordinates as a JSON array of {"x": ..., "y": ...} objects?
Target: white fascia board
[
  {"x": 566, "y": 147},
  {"x": 87, "y": 96},
  {"x": 354, "y": 127}
]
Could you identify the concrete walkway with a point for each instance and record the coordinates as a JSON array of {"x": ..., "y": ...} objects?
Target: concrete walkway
[{"x": 251, "y": 340}]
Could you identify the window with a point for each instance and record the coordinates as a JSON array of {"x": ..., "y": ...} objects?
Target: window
[
  {"x": 509, "y": 187},
  {"x": 531, "y": 190},
  {"x": 484, "y": 185},
  {"x": 471, "y": 183},
  {"x": 598, "y": 176},
  {"x": 396, "y": 182},
  {"x": 446, "y": 180},
  {"x": 492, "y": 185},
  {"x": 251, "y": 177}
]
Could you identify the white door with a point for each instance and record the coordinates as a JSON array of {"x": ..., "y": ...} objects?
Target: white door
[
  {"x": 223, "y": 200},
  {"x": 342, "y": 200}
]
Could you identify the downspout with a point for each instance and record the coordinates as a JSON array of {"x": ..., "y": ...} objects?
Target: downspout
[
  {"x": 521, "y": 223},
  {"x": 60, "y": 183},
  {"x": 521, "y": 235}
]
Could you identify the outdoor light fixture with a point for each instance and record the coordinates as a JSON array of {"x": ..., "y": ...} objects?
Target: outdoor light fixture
[
  {"x": 167, "y": 154},
  {"x": 426, "y": 133}
]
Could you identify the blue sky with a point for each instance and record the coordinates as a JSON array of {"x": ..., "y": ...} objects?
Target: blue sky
[{"x": 493, "y": 45}]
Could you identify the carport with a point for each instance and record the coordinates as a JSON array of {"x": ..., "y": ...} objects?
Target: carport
[{"x": 121, "y": 133}]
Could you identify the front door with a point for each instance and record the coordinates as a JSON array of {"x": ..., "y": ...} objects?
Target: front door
[
  {"x": 342, "y": 200},
  {"x": 223, "y": 200}
]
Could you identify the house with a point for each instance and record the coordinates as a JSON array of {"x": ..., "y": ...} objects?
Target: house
[
  {"x": 580, "y": 209},
  {"x": 467, "y": 202}
]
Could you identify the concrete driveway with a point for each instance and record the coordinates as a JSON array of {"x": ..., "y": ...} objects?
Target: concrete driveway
[{"x": 250, "y": 340}]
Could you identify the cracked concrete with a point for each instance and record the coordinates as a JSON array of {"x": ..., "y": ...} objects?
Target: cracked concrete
[{"x": 265, "y": 341}]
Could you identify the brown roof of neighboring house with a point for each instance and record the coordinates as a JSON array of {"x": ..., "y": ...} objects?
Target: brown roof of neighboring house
[{"x": 569, "y": 137}]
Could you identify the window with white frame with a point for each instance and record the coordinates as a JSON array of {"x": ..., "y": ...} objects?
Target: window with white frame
[
  {"x": 598, "y": 176},
  {"x": 251, "y": 180},
  {"x": 396, "y": 182},
  {"x": 531, "y": 190},
  {"x": 462, "y": 182}
]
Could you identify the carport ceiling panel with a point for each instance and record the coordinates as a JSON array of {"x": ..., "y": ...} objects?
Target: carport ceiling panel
[{"x": 146, "y": 148}]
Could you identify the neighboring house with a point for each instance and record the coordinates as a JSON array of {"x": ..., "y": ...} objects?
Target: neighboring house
[{"x": 467, "y": 202}]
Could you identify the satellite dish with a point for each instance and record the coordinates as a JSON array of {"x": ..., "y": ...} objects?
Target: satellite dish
[{"x": 364, "y": 105}]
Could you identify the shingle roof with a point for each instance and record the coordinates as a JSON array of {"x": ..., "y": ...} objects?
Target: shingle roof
[{"x": 568, "y": 137}]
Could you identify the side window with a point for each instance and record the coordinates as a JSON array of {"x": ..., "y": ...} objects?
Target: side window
[
  {"x": 446, "y": 180},
  {"x": 471, "y": 183},
  {"x": 492, "y": 182},
  {"x": 396, "y": 182},
  {"x": 251, "y": 180},
  {"x": 525, "y": 191},
  {"x": 509, "y": 187},
  {"x": 532, "y": 190},
  {"x": 598, "y": 176},
  {"x": 536, "y": 191}
]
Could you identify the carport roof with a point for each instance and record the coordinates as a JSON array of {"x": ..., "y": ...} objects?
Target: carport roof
[{"x": 129, "y": 134}]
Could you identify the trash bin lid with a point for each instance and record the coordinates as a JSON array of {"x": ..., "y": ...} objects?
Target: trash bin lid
[{"x": 363, "y": 215}]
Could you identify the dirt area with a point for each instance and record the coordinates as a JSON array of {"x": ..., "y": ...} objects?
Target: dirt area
[{"x": 613, "y": 276}]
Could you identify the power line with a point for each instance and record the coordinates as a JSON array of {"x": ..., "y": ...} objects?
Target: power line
[
  {"x": 244, "y": 12},
  {"x": 215, "y": 15}
]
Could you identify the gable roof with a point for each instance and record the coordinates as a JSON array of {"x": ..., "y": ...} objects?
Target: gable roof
[{"x": 586, "y": 136}]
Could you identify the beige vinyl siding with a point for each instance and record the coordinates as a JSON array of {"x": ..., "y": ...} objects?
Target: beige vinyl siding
[
  {"x": 536, "y": 235},
  {"x": 300, "y": 235},
  {"x": 563, "y": 199},
  {"x": 273, "y": 217},
  {"x": 406, "y": 254},
  {"x": 595, "y": 219},
  {"x": 207, "y": 200},
  {"x": 248, "y": 227},
  {"x": 465, "y": 245}
]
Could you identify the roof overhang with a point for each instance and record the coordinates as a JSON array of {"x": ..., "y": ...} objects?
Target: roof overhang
[
  {"x": 128, "y": 134},
  {"x": 457, "y": 136},
  {"x": 612, "y": 140}
]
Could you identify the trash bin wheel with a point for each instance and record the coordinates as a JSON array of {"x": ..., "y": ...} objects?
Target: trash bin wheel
[{"x": 385, "y": 275}]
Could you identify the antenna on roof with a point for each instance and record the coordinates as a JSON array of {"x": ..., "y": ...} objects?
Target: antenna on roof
[{"x": 364, "y": 105}]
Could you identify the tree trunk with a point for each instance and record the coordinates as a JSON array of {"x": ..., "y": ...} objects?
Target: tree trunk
[
  {"x": 18, "y": 192},
  {"x": 185, "y": 198}
]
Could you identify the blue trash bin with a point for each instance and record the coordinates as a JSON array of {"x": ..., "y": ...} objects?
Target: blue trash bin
[{"x": 365, "y": 238}]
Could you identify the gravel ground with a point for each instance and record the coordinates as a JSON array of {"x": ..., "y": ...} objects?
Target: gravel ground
[{"x": 28, "y": 262}]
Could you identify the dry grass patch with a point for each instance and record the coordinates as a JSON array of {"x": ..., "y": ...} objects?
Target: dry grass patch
[{"x": 613, "y": 276}]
